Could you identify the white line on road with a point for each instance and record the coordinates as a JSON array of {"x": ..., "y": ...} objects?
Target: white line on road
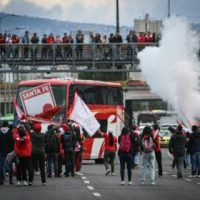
[
  {"x": 165, "y": 173},
  {"x": 96, "y": 194},
  {"x": 86, "y": 182},
  {"x": 84, "y": 177},
  {"x": 90, "y": 187},
  {"x": 187, "y": 179},
  {"x": 174, "y": 175},
  {"x": 198, "y": 183}
]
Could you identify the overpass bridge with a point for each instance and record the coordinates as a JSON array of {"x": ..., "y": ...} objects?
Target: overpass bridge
[{"x": 39, "y": 58}]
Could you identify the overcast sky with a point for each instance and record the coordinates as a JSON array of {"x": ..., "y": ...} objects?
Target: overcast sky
[{"x": 102, "y": 11}]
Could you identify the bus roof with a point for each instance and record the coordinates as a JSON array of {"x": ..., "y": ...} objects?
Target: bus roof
[{"x": 68, "y": 81}]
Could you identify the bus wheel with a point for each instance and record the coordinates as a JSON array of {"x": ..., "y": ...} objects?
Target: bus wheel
[{"x": 99, "y": 161}]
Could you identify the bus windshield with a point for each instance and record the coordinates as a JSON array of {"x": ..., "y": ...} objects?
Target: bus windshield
[
  {"x": 96, "y": 94},
  {"x": 59, "y": 92}
]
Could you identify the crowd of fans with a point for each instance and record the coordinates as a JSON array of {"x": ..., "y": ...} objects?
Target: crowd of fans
[{"x": 62, "y": 45}]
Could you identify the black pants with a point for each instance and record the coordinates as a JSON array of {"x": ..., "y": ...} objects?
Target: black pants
[
  {"x": 69, "y": 162},
  {"x": 38, "y": 157},
  {"x": 159, "y": 162},
  {"x": 23, "y": 166},
  {"x": 125, "y": 160}
]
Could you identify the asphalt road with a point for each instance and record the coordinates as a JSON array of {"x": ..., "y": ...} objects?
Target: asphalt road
[{"x": 93, "y": 184}]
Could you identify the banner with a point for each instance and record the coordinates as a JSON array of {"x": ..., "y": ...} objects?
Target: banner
[
  {"x": 37, "y": 100},
  {"x": 82, "y": 115}
]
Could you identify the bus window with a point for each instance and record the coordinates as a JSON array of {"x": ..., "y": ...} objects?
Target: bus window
[{"x": 94, "y": 94}]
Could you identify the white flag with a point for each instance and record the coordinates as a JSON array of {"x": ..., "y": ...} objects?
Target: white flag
[{"x": 82, "y": 115}]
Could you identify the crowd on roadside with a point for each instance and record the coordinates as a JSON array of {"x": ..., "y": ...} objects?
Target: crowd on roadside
[{"x": 30, "y": 149}]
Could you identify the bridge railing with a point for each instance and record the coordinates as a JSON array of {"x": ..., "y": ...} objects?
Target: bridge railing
[{"x": 113, "y": 54}]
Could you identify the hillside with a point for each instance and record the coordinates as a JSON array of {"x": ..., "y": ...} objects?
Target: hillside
[{"x": 45, "y": 25}]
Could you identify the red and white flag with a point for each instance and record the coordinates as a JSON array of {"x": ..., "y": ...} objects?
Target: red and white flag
[
  {"x": 82, "y": 115},
  {"x": 20, "y": 113}
]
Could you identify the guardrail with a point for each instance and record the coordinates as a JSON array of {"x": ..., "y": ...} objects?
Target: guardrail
[{"x": 68, "y": 57}]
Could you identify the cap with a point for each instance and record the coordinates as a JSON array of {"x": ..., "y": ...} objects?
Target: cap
[{"x": 37, "y": 127}]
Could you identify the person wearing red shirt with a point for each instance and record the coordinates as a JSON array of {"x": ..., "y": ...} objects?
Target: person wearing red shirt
[
  {"x": 110, "y": 151},
  {"x": 22, "y": 148},
  {"x": 158, "y": 152}
]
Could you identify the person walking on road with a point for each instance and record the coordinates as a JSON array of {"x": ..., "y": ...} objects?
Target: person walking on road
[
  {"x": 110, "y": 152},
  {"x": 125, "y": 154},
  {"x": 177, "y": 149}
]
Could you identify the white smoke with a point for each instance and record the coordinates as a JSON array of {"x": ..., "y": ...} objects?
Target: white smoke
[{"x": 172, "y": 69}]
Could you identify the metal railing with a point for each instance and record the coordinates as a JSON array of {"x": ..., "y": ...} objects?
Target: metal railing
[{"x": 69, "y": 57}]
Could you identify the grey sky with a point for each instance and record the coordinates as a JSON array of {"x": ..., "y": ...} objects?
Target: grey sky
[{"x": 102, "y": 11}]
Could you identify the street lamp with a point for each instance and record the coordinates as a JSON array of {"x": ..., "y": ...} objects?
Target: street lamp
[
  {"x": 169, "y": 10},
  {"x": 3, "y": 17},
  {"x": 117, "y": 16}
]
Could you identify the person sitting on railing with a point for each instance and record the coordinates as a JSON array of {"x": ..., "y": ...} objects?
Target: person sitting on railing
[
  {"x": 79, "y": 42},
  {"x": 34, "y": 40},
  {"x": 50, "y": 40},
  {"x": 25, "y": 41}
]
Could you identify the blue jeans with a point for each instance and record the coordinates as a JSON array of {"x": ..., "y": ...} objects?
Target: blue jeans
[
  {"x": 148, "y": 164},
  {"x": 195, "y": 162}
]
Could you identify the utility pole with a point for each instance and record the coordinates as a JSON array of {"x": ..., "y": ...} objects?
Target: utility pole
[
  {"x": 117, "y": 16},
  {"x": 169, "y": 9}
]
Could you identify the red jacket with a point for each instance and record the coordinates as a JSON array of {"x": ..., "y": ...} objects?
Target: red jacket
[
  {"x": 107, "y": 146},
  {"x": 157, "y": 139},
  {"x": 23, "y": 145}
]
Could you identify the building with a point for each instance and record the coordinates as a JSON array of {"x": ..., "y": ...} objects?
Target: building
[{"x": 145, "y": 25}]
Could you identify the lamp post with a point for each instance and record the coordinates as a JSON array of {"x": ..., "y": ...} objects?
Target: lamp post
[
  {"x": 169, "y": 9},
  {"x": 117, "y": 16}
]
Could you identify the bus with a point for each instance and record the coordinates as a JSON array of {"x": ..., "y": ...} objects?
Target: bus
[{"x": 104, "y": 99}]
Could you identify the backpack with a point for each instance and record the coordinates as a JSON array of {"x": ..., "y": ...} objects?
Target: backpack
[
  {"x": 68, "y": 143},
  {"x": 52, "y": 144},
  {"x": 148, "y": 144},
  {"x": 125, "y": 144}
]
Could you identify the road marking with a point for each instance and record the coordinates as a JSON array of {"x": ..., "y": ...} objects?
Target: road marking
[
  {"x": 86, "y": 182},
  {"x": 96, "y": 194},
  {"x": 90, "y": 187},
  {"x": 84, "y": 177},
  {"x": 174, "y": 175},
  {"x": 198, "y": 183},
  {"x": 187, "y": 179},
  {"x": 165, "y": 173}
]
